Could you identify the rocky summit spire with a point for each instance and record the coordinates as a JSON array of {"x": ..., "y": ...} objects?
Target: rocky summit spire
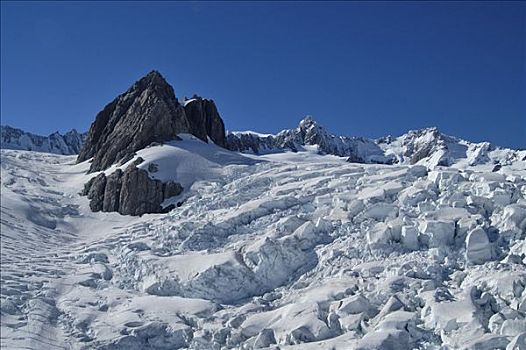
[
  {"x": 205, "y": 120},
  {"x": 148, "y": 112}
]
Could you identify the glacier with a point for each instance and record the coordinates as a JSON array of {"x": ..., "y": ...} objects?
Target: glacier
[{"x": 296, "y": 249}]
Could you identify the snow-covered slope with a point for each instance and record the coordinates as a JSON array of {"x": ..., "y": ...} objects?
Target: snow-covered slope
[
  {"x": 187, "y": 160},
  {"x": 69, "y": 143},
  {"x": 431, "y": 148},
  {"x": 289, "y": 250}
]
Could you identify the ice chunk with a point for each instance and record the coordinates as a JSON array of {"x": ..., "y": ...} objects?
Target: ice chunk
[
  {"x": 292, "y": 324},
  {"x": 401, "y": 320},
  {"x": 518, "y": 342},
  {"x": 487, "y": 342},
  {"x": 410, "y": 237},
  {"x": 393, "y": 304},
  {"x": 445, "y": 178},
  {"x": 478, "y": 248},
  {"x": 450, "y": 213},
  {"x": 379, "y": 234},
  {"x": 438, "y": 233},
  {"x": 418, "y": 170},
  {"x": 352, "y": 321},
  {"x": 448, "y": 315},
  {"x": 264, "y": 339},
  {"x": 355, "y": 304},
  {"x": 103, "y": 270},
  {"x": 513, "y": 327},
  {"x": 381, "y": 211},
  {"x": 385, "y": 339},
  {"x": 512, "y": 221},
  {"x": 464, "y": 225},
  {"x": 413, "y": 195},
  {"x": 355, "y": 207}
]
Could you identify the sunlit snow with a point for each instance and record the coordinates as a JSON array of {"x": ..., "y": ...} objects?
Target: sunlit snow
[{"x": 296, "y": 250}]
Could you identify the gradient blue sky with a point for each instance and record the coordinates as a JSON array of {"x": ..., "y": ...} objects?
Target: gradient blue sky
[{"x": 360, "y": 68}]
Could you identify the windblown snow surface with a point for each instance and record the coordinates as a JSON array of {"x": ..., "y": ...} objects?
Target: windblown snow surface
[{"x": 288, "y": 251}]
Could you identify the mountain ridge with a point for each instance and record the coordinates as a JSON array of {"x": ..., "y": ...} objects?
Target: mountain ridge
[
  {"x": 68, "y": 143},
  {"x": 149, "y": 112},
  {"x": 427, "y": 146}
]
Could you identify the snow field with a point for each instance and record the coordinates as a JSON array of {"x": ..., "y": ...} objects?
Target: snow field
[{"x": 292, "y": 250}]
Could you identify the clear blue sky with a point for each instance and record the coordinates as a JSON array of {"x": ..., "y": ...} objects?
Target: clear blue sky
[{"x": 360, "y": 68}]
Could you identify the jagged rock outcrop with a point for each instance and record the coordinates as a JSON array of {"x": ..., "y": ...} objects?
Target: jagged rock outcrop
[
  {"x": 249, "y": 142},
  {"x": 69, "y": 143},
  {"x": 204, "y": 120},
  {"x": 129, "y": 192},
  {"x": 148, "y": 112}
]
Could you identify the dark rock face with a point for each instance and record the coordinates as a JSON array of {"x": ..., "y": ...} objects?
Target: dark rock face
[
  {"x": 248, "y": 142},
  {"x": 204, "y": 120},
  {"x": 94, "y": 189},
  {"x": 129, "y": 192},
  {"x": 112, "y": 192},
  {"x": 148, "y": 112}
]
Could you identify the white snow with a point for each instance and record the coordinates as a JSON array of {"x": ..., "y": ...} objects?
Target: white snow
[{"x": 289, "y": 250}]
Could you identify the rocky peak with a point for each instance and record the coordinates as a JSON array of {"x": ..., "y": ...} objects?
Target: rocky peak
[
  {"x": 423, "y": 143},
  {"x": 155, "y": 82},
  {"x": 147, "y": 112},
  {"x": 307, "y": 122},
  {"x": 204, "y": 120},
  {"x": 311, "y": 132}
]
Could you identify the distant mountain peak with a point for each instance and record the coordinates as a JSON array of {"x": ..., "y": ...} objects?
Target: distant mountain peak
[
  {"x": 68, "y": 143},
  {"x": 309, "y": 133},
  {"x": 307, "y": 121},
  {"x": 308, "y": 124},
  {"x": 154, "y": 74}
]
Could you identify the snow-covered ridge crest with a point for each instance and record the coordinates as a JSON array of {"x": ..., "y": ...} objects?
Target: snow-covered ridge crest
[
  {"x": 67, "y": 144},
  {"x": 309, "y": 133},
  {"x": 432, "y": 148},
  {"x": 428, "y": 147}
]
